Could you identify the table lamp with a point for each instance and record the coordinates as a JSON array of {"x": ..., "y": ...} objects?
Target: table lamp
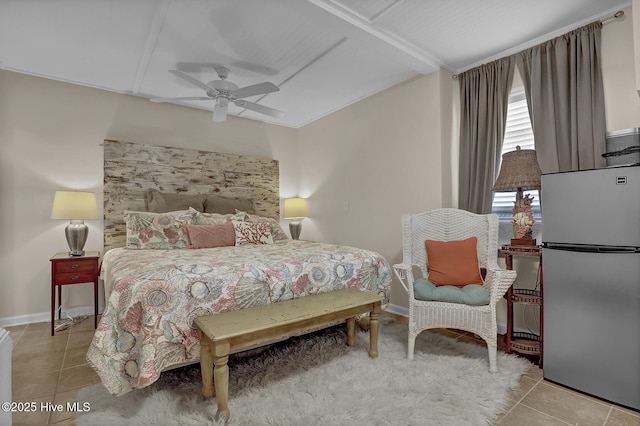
[
  {"x": 520, "y": 171},
  {"x": 296, "y": 210},
  {"x": 75, "y": 206}
]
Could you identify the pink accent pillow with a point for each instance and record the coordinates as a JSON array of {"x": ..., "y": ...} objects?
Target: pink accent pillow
[
  {"x": 208, "y": 236},
  {"x": 252, "y": 233}
]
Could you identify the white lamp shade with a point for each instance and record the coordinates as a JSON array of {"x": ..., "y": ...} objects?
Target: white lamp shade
[
  {"x": 74, "y": 205},
  {"x": 295, "y": 208}
]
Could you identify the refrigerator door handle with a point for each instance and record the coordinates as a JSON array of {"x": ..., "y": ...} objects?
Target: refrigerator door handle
[
  {"x": 591, "y": 249},
  {"x": 618, "y": 250}
]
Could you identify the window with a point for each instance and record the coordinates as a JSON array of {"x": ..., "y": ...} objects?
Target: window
[{"x": 518, "y": 131}]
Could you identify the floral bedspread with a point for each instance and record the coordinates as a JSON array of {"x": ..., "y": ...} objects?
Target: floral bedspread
[{"x": 155, "y": 295}]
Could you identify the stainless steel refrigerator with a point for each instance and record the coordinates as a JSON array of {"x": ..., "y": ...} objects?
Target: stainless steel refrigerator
[{"x": 591, "y": 270}]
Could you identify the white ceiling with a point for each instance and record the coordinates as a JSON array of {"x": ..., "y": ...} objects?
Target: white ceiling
[{"x": 323, "y": 54}]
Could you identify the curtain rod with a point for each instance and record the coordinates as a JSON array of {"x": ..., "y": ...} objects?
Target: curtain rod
[{"x": 616, "y": 16}]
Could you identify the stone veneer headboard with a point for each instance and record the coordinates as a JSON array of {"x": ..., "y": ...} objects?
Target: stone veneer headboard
[{"x": 130, "y": 169}]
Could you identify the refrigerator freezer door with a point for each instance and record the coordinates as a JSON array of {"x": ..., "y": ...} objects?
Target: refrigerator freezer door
[
  {"x": 592, "y": 323},
  {"x": 593, "y": 207}
]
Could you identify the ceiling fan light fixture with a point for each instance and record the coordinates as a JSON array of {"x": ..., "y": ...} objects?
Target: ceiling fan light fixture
[{"x": 220, "y": 110}]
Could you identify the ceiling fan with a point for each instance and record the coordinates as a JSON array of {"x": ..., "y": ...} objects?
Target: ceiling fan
[{"x": 223, "y": 92}]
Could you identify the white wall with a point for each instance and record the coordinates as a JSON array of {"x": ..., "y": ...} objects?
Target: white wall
[
  {"x": 50, "y": 136},
  {"x": 378, "y": 159},
  {"x": 618, "y": 72}
]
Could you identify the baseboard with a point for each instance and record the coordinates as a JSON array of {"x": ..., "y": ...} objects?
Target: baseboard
[
  {"x": 401, "y": 310},
  {"x": 46, "y": 316},
  {"x": 398, "y": 310}
]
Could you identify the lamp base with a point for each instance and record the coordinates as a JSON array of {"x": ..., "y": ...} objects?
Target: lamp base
[
  {"x": 295, "y": 226},
  {"x": 76, "y": 233},
  {"x": 523, "y": 242}
]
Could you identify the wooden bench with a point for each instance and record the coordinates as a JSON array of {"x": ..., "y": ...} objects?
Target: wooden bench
[{"x": 235, "y": 331}]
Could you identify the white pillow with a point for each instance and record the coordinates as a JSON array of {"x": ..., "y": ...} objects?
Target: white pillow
[{"x": 252, "y": 233}]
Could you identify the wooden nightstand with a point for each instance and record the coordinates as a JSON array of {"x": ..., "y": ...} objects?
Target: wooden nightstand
[{"x": 67, "y": 269}]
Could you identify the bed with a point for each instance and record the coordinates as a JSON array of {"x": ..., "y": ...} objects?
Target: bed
[{"x": 156, "y": 283}]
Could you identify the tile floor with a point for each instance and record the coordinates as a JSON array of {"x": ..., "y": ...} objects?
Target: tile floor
[{"x": 53, "y": 369}]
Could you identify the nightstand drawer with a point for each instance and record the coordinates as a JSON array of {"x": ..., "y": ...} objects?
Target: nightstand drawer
[
  {"x": 75, "y": 277},
  {"x": 76, "y": 266}
]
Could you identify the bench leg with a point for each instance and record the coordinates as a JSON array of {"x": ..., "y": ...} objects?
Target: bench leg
[
  {"x": 373, "y": 330},
  {"x": 351, "y": 328},
  {"x": 206, "y": 366},
  {"x": 221, "y": 377}
]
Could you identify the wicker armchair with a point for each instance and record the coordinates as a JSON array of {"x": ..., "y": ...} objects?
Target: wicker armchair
[{"x": 449, "y": 225}]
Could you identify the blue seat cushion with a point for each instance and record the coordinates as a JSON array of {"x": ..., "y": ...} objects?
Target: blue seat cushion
[{"x": 472, "y": 294}]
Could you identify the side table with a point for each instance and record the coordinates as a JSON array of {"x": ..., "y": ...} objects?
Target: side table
[
  {"x": 67, "y": 269},
  {"x": 526, "y": 343}
]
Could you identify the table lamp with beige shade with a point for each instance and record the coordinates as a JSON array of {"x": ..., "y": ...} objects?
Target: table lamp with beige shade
[
  {"x": 295, "y": 209},
  {"x": 75, "y": 206}
]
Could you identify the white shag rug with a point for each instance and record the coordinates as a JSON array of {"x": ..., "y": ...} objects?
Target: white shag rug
[{"x": 317, "y": 380}]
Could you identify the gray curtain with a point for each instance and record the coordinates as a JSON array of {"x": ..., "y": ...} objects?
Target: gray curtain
[
  {"x": 484, "y": 98},
  {"x": 563, "y": 84}
]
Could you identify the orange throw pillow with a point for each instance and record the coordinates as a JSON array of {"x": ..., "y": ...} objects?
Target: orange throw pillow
[
  {"x": 208, "y": 236},
  {"x": 453, "y": 262}
]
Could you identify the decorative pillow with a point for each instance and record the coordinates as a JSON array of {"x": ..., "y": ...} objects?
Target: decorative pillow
[
  {"x": 453, "y": 262},
  {"x": 472, "y": 294},
  {"x": 146, "y": 230},
  {"x": 227, "y": 205},
  {"x": 252, "y": 233},
  {"x": 207, "y": 236},
  {"x": 215, "y": 218},
  {"x": 161, "y": 202},
  {"x": 276, "y": 231}
]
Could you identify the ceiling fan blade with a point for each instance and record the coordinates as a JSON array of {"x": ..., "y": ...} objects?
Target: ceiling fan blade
[
  {"x": 256, "y": 89},
  {"x": 220, "y": 112},
  {"x": 259, "y": 108},
  {"x": 190, "y": 79},
  {"x": 187, "y": 98}
]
